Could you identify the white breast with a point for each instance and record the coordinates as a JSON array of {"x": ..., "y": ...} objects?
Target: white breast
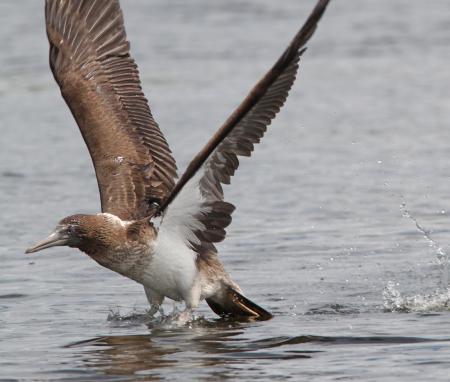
[{"x": 172, "y": 269}]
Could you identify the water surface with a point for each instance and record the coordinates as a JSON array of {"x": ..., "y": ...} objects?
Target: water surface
[{"x": 342, "y": 222}]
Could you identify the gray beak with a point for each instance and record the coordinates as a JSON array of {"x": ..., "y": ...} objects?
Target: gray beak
[{"x": 56, "y": 238}]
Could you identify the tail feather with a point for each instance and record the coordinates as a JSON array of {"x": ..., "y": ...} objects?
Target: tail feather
[{"x": 233, "y": 304}]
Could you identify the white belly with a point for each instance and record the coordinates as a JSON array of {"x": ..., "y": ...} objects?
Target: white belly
[{"x": 172, "y": 270}]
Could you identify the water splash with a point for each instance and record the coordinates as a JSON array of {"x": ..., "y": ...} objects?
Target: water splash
[
  {"x": 135, "y": 317},
  {"x": 441, "y": 256},
  {"x": 175, "y": 319},
  {"x": 394, "y": 301}
]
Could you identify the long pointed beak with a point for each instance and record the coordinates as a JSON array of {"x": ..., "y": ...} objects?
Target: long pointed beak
[{"x": 54, "y": 239}]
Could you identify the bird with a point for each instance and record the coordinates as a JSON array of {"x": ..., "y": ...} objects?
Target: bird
[{"x": 155, "y": 228}]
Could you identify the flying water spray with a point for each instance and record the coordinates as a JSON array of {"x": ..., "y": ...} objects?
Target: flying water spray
[{"x": 440, "y": 299}]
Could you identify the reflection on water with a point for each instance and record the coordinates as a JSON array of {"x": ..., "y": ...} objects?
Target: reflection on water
[{"x": 208, "y": 345}]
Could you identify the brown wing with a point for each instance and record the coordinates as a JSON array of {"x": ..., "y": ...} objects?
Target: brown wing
[
  {"x": 223, "y": 162},
  {"x": 196, "y": 204},
  {"x": 99, "y": 80}
]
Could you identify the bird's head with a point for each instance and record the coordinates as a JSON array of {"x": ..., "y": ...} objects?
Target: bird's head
[{"x": 86, "y": 232}]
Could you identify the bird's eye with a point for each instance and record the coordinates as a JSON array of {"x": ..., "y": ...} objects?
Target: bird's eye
[{"x": 71, "y": 230}]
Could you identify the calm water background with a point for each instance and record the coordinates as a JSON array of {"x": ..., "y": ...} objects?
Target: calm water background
[{"x": 324, "y": 234}]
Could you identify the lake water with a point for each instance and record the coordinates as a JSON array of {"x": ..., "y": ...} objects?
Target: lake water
[{"x": 343, "y": 213}]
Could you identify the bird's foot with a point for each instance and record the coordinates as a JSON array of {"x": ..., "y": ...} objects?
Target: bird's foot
[
  {"x": 181, "y": 318},
  {"x": 185, "y": 316}
]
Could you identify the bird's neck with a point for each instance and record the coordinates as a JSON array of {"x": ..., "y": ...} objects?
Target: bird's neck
[{"x": 121, "y": 248}]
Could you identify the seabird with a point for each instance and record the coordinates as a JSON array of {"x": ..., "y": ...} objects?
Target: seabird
[{"x": 154, "y": 229}]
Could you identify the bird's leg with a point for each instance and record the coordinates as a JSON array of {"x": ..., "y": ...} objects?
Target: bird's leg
[
  {"x": 155, "y": 308},
  {"x": 191, "y": 300},
  {"x": 155, "y": 300}
]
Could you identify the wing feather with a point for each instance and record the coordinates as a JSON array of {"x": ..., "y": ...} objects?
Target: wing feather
[
  {"x": 99, "y": 80},
  {"x": 199, "y": 192}
]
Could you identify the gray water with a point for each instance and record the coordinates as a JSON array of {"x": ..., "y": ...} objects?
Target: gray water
[{"x": 343, "y": 212}]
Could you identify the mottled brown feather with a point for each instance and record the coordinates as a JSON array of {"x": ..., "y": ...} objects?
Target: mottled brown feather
[{"x": 99, "y": 80}]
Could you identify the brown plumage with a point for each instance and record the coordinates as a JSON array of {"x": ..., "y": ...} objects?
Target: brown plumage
[{"x": 90, "y": 59}]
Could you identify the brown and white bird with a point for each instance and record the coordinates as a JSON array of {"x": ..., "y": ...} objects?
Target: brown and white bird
[{"x": 153, "y": 229}]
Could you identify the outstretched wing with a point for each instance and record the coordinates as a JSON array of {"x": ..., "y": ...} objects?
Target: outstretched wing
[
  {"x": 195, "y": 210},
  {"x": 99, "y": 80}
]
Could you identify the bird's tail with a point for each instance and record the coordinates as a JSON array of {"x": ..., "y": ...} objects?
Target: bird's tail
[{"x": 231, "y": 303}]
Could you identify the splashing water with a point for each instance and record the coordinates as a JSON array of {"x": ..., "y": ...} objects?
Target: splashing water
[
  {"x": 441, "y": 255},
  {"x": 394, "y": 301},
  {"x": 135, "y": 317},
  {"x": 175, "y": 319}
]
